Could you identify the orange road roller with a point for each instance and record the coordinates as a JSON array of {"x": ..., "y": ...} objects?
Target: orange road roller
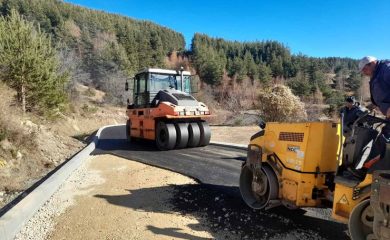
[{"x": 163, "y": 110}]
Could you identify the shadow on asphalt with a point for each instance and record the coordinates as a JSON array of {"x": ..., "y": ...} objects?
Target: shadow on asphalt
[
  {"x": 107, "y": 145},
  {"x": 213, "y": 208},
  {"x": 114, "y": 139},
  {"x": 242, "y": 159}
]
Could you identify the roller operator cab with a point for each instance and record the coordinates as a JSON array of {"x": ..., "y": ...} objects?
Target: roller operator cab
[
  {"x": 164, "y": 110},
  {"x": 308, "y": 165}
]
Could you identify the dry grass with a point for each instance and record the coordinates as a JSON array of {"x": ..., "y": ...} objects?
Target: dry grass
[
  {"x": 10, "y": 120},
  {"x": 16, "y": 142}
]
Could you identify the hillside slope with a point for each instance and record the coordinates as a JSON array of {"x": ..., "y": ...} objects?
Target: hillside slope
[{"x": 31, "y": 146}]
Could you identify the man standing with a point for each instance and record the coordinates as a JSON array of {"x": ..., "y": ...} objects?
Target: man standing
[
  {"x": 379, "y": 73},
  {"x": 350, "y": 112}
]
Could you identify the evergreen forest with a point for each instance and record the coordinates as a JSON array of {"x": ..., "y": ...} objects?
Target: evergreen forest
[{"x": 102, "y": 50}]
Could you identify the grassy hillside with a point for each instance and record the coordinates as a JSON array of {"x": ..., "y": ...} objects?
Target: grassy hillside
[{"x": 98, "y": 48}]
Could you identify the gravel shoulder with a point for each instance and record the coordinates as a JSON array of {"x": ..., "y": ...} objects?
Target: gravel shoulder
[
  {"x": 133, "y": 203},
  {"x": 114, "y": 198}
]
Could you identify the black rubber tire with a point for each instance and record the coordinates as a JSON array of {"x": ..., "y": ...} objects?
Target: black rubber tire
[
  {"x": 182, "y": 135},
  {"x": 194, "y": 135},
  {"x": 128, "y": 131},
  {"x": 205, "y": 133},
  {"x": 165, "y": 136}
]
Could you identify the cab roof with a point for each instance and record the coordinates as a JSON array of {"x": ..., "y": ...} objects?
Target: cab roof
[{"x": 162, "y": 71}]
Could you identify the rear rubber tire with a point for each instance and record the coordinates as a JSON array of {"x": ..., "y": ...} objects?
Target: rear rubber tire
[
  {"x": 165, "y": 136},
  {"x": 205, "y": 133},
  {"x": 128, "y": 131},
  {"x": 194, "y": 135},
  {"x": 182, "y": 135}
]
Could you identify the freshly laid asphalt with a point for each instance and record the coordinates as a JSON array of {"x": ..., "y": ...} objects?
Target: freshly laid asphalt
[
  {"x": 214, "y": 165},
  {"x": 218, "y": 169}
]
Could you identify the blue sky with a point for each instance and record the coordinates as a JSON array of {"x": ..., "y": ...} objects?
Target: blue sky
[{"x": 314, "y": 28}]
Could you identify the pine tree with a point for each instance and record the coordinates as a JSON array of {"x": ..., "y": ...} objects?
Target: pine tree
[
  {"x": 354, "y": 81},
  {"x": 265, "y": 74},
  {"x": 29, "y": 64},
  {"x": 157, "y": 50},
  {"x": 237, "y": 69},
  {"x": 250, "y": 66}
]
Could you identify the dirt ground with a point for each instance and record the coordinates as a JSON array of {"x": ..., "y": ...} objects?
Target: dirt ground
[
  {"x": 238, "y": 135},
  {"x": 132, "y": 203}
]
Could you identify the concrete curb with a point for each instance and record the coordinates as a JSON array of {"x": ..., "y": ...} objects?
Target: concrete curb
[{"x": 13, "y": 220}]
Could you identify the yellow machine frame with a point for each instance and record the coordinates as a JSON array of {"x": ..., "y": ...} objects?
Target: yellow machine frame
[
  {"x": 298, "y": 153},
  {"x": 346, "y": 198},
  {"x": 312, "y": 165},
  {"x": 305, "y": 158}
]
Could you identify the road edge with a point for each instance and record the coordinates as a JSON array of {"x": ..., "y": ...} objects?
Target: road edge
[{"x": 12, "y": 222}]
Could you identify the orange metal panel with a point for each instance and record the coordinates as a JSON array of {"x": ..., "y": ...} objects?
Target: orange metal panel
[{"x": 142, "y": 124}]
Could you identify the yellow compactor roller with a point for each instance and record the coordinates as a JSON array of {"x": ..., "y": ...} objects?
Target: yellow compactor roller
[{"x": 303, "y": 165}]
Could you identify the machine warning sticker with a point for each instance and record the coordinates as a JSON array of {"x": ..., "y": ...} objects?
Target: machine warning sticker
[
  {"x": 300, "y": 154},
  {"x": 344, "y": 200},
  {"x": 292, "y": 148}
]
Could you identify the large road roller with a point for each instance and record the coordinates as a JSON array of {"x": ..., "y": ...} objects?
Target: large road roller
[
  {"x": 312, "y": 164},
  {"x": 163, "y": 110}
]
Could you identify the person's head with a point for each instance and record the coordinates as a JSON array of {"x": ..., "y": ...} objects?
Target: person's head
[
  {"x": 350, "y": 101},
  {"x": 367, "y": 65}
]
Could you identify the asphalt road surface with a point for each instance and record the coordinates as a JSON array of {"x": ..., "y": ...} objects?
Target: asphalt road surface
[{"x": 217, "y": 169}]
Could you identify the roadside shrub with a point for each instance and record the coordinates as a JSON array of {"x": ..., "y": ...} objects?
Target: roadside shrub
[{"x": 280, "y": 104}]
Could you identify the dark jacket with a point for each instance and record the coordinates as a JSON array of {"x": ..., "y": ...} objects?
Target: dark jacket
[
  {"x": 380, "y": 86},
  {"x": 350, "y": 116}
]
